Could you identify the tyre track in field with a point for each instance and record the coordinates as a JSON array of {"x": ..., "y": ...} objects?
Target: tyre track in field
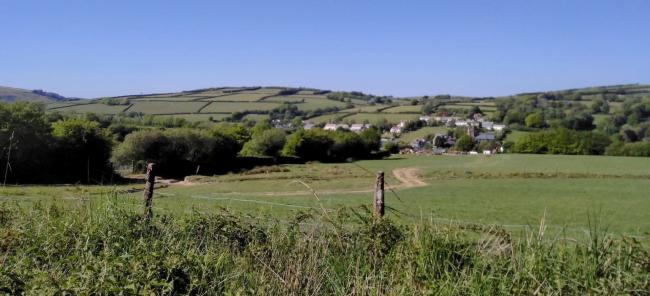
[{"x": 408, "y": 178}]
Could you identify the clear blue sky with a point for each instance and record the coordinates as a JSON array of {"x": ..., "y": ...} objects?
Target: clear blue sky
[{"x": 101, "y": 48}]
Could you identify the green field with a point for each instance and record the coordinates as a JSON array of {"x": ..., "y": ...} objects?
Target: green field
[
  {"x": 196, "y": 117},
  {"x": 165, "y": 107},
  {"x": 240, "y": 97},
  {"x": 514, "y": 191},
  {"x": 312, "y": 104},
  {"x": 96, "y": 108},
  {"x": 328, "y": 117},
  {"x": 369, "y": 109},
  {"x": 230, "y": 107},
  {"x": 422, "y": 133},
  {"x": 375, "y": 117},
  {"x": 404, "y": 109},
  {"x": 514, "y": 136}
]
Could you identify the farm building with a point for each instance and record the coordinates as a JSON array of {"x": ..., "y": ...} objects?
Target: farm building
[
  {"x": 485, "y": 137},
  {"x": 357, "y": 127}
]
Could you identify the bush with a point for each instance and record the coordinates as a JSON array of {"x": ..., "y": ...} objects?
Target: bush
[
  {"x": 265, "y": 143},
  {"x": 177, "y": 152},
  {"x": 68, "y": 151},
  {"x": 629, "y": 149},
  {"x": 83, "y": 150},
  {"x": 563, "y": 141},
  {"x": 108, "y": 250},
  {"x": 464, "y": 143},
  {"x": 317, "y": 144}
]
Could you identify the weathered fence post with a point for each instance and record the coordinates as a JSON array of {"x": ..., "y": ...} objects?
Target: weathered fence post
[
  {"x": 378, "y": 202},
  {"x": 148, "y": 191}
]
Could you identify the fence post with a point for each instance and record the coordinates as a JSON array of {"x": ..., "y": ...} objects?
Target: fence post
[
  {"x": 148, "y": 191},
  {"x": 378, "y": 201}
]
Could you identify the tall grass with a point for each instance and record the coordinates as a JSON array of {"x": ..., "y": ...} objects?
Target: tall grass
[{"x": 106, "y": 249}]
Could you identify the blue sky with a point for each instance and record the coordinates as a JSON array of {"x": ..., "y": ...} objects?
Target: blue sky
[{"x": 401, "y": 48}]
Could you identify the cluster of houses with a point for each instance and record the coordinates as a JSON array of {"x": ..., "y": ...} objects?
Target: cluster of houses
[
  {"x": 441, "y": 142},
  {"x": 358, "y": 127},
  {"x": 477, "y": 120}
]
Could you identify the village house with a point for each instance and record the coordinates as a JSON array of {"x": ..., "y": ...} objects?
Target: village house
[
  {"x": 396, "y": 130},
  {"x": 418, "y": 144},
  {"x": 488, "y": 125},
  {"x": 461, "y": 123},
  {"x": 426, "y": 119},
  {"x": 306, "y": 125},
  {"x": 334, "y": 126},
  {"x": 358, "y": 127},
  {"x": 499, "y": 127},
  {"x": 438, "y": 150},
  {"x": 485, "y": 137}
]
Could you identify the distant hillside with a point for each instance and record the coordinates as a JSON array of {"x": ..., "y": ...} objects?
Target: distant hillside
[
  {"x": 229, "y": 103},
  {"x": 320, "y": 106},
  {"x": 10, "y": 94}
]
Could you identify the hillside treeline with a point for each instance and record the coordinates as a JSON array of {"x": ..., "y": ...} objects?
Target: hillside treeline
[
  {"x": 41, "y": 147},
  {"x": 566, "y": 123}
]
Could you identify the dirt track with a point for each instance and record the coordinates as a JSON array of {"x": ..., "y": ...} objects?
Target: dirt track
[{"x": 408, "y": 178}]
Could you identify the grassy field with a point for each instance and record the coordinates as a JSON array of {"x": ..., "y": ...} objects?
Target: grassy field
[
  {"x": 470, "y": 225},
  {"x": 98, "y": 108},
  {"x": 328, "y": 117},
  {"x": 311, "y": 104},
  {"x": 375, "y": 117},
  {"x": 417, "y": 109},
  {"x": 240, "y": 97},
  {"x": 422, "y": 133},
  {"x": 230, "y": 107},
  {"x": 197, "y": 117},
  {"x": 511, "y": 190},
  {"x": 514, "y": 136},
  {"x": 165, "y": 107}
]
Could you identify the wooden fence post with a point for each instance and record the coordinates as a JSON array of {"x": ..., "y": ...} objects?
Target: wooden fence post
[
  {"x": 378, "y": 201},
  {"x": 148, "y": 191}
]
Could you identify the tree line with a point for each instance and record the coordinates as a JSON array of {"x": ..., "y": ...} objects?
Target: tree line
[{"x": 46, "y": 147}]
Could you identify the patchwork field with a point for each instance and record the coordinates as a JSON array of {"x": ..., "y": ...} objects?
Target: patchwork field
[
  {"x": 422, "y": 133},
  {"x": 516, "y": 191},
  {"x": 374, "y": 117}
]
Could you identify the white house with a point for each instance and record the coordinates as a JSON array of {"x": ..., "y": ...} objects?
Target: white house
[
  {"x": 425, "y": 118},
  {"x": 488, "y": 125},
  {"x": 307, "y": 125},
  {"x": 357, "y": 127},
  {"x": 499, "y": 127},
  {"x": 330, "y": 127},
  {"x": 396, "y": 130},
  {"x": 460, "y": 123}
]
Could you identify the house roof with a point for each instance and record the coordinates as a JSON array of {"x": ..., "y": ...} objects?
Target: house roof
[{"x": 485, "y": 137}]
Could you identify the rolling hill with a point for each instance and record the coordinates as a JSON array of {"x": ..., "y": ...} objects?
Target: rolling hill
[
  {"x": 237, "y": 103},
  {"x": 10, "y": 94}
]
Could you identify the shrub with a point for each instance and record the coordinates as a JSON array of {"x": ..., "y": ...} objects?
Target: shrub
[{"x": 265, "y": 143}]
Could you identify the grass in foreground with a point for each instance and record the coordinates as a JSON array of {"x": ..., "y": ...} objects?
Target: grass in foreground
[{"x": 105, "y": 248}]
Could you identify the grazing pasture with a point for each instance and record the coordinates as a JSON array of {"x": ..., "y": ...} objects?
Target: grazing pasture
[
  {"x": 417, "y": 109},
  {"x": 514, "y": 191},
  {"x": 95, "y": 108},
  {"x": 375, "y": 117},
  {"x": 230, "y": 107},
  {"x": 422, "y": 133},
  {"x": 166, "y": 107}
]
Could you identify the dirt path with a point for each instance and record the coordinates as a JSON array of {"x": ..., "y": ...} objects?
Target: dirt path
[{"x": 408, "y": 178}]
